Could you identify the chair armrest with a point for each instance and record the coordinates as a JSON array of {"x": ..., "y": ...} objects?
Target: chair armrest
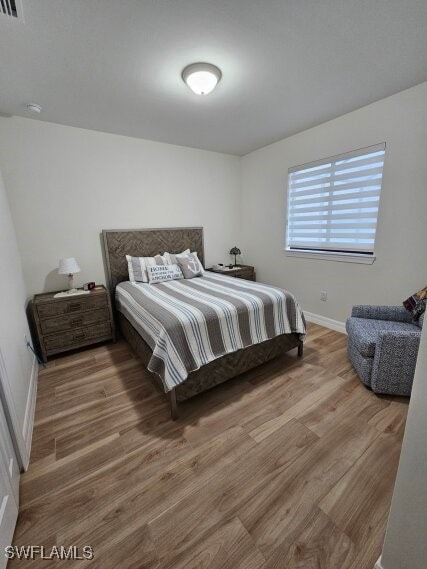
[
  {"x": 394, "y": 313},
  {"x": 394, "y": 362}
]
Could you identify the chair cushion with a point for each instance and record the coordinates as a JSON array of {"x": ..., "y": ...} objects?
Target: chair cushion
[{"x": 363, "y": 332}]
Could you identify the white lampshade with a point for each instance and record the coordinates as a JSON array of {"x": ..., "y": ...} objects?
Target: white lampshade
[{"x": 68, "y": 266}]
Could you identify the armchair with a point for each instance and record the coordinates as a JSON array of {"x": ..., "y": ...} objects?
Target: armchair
[{"x": 383, "y": 346}]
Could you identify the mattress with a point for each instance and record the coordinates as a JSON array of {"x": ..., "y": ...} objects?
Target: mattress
[{"x": 191, "y": 322}]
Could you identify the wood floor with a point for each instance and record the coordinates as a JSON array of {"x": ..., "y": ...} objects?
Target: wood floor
[{"x": 291, "y": 465}]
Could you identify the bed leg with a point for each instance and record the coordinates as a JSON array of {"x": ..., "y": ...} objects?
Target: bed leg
[
  {"x": 300, "y": 349},
  {"x": 173, "y": 404}
]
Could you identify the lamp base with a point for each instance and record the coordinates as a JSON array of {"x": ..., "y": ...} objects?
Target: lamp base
[{"x": 71, "y": 292}]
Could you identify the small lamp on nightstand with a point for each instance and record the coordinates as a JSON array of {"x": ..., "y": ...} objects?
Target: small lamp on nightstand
[
  {"x": 235, "y": 251},
  {"x": 69, "y": 266}
]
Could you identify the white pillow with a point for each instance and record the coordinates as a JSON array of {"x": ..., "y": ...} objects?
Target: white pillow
[
  {"x": 171, "y": 257},
  {"x": 137, "y": 267},
  {"x": 162, "y": 273}
]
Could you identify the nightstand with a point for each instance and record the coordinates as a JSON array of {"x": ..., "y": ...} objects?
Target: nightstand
[
  {"x": 240, "y": 272},
  {"x": 64, "y": 324}
]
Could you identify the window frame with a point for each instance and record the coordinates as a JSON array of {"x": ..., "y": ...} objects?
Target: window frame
[{"x": 361, "y": 257}]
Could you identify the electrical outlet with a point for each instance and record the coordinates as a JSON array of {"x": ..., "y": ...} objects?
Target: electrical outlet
[{"x": 323, "y": 295}]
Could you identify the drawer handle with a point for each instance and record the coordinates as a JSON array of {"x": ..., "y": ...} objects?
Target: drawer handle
[
  {"x": 76, "y": 321},
  {"x": 73, "y": 306},
  {"x": 80, "y": 336}
]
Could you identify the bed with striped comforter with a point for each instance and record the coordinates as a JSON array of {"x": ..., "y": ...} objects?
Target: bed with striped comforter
[{"x": 189, "y": 323}]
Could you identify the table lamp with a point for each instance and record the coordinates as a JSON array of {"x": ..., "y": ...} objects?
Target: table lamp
[
  {"x": 235, "y": 251},
  {"x": 69, "y": 266}
]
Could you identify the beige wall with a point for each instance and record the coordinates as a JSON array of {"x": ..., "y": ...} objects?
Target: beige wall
[
  {"x": 400, "y": 268},
  {"x": 66, "y": 184},
  {"x": 405, "y": 544}
]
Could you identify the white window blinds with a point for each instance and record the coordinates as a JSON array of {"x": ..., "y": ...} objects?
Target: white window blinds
[{"x": 333, "y": 203}]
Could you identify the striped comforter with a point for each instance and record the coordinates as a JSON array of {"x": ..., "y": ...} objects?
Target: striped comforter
[{"x": 188, "y": 323}]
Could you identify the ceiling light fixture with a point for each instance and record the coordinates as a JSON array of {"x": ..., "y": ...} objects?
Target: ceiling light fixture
[
  {"x": 33, "y": 108},
  {"x": 202, "y": 78}
]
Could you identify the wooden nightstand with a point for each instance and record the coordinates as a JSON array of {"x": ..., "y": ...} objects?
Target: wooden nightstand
[
  {"x": 240, "y": 272},
  {"x": 64, "y": 324}
]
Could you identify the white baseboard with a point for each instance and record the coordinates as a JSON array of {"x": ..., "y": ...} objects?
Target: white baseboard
[
  {"x": 30, "y": 408},
  {"x": 325, "y": 321},
  {"x": 378, "y": 564}
]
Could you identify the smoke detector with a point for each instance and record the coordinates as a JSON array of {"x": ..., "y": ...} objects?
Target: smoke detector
[{"x": 33, "y": 108}]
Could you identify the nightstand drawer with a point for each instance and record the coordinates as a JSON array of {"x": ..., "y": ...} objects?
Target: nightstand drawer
[
  {"x": 70, "y": 321},
  {"x": 69, "y": 306},
  {"x": 76, "y": 338},
  {"x": 245, "y": 274}
]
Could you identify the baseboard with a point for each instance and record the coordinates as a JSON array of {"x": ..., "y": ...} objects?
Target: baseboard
[
  {"x": 30, "y": 408},
  {"x": 325, "y": 321},
  {"x": 378, "y": 564}
]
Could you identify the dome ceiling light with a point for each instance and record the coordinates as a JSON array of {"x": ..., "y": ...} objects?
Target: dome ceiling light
[{"x": 202, "y": 78}]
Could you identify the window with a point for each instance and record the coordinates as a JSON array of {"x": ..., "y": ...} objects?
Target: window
[{"x": 333, "y": 203}]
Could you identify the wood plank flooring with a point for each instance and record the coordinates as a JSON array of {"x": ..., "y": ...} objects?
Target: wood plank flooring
[{"x": 289, "y": 466}]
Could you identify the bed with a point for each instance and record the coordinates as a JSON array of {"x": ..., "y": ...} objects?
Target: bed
[{"x": 197, "y": 333}]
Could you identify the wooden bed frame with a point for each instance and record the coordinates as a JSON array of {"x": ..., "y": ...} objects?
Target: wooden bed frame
[{"x": 117, "y": 243}]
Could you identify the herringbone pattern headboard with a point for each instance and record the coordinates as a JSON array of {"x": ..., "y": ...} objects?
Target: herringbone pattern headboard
[{"x": 118, "y": 243}]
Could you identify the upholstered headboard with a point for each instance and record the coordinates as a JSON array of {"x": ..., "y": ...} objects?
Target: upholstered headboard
[{"x": 118, "y": 243}]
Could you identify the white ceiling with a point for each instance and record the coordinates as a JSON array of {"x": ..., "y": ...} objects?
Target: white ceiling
[{"x": 287, "y": 65}]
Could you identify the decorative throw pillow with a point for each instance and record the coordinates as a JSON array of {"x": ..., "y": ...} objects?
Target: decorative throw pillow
[
  {"x": 416, "y": 304},
  {"x": 190, "y": 265},
  {"x": 137, "y": 267},
  {"x": 182, "y": 255},
  {"x": 162, "y": 273},
  {"x": 171, "y": 258}
]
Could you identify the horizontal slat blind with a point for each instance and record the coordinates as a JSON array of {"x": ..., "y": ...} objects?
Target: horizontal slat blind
[{"x": 333, "y": 203}]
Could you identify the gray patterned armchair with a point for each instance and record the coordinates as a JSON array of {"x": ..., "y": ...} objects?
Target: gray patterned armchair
[{"x": 383, "y": 346}]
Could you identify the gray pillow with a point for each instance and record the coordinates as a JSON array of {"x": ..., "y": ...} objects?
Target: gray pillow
[{"x": 190, "y": 266}]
